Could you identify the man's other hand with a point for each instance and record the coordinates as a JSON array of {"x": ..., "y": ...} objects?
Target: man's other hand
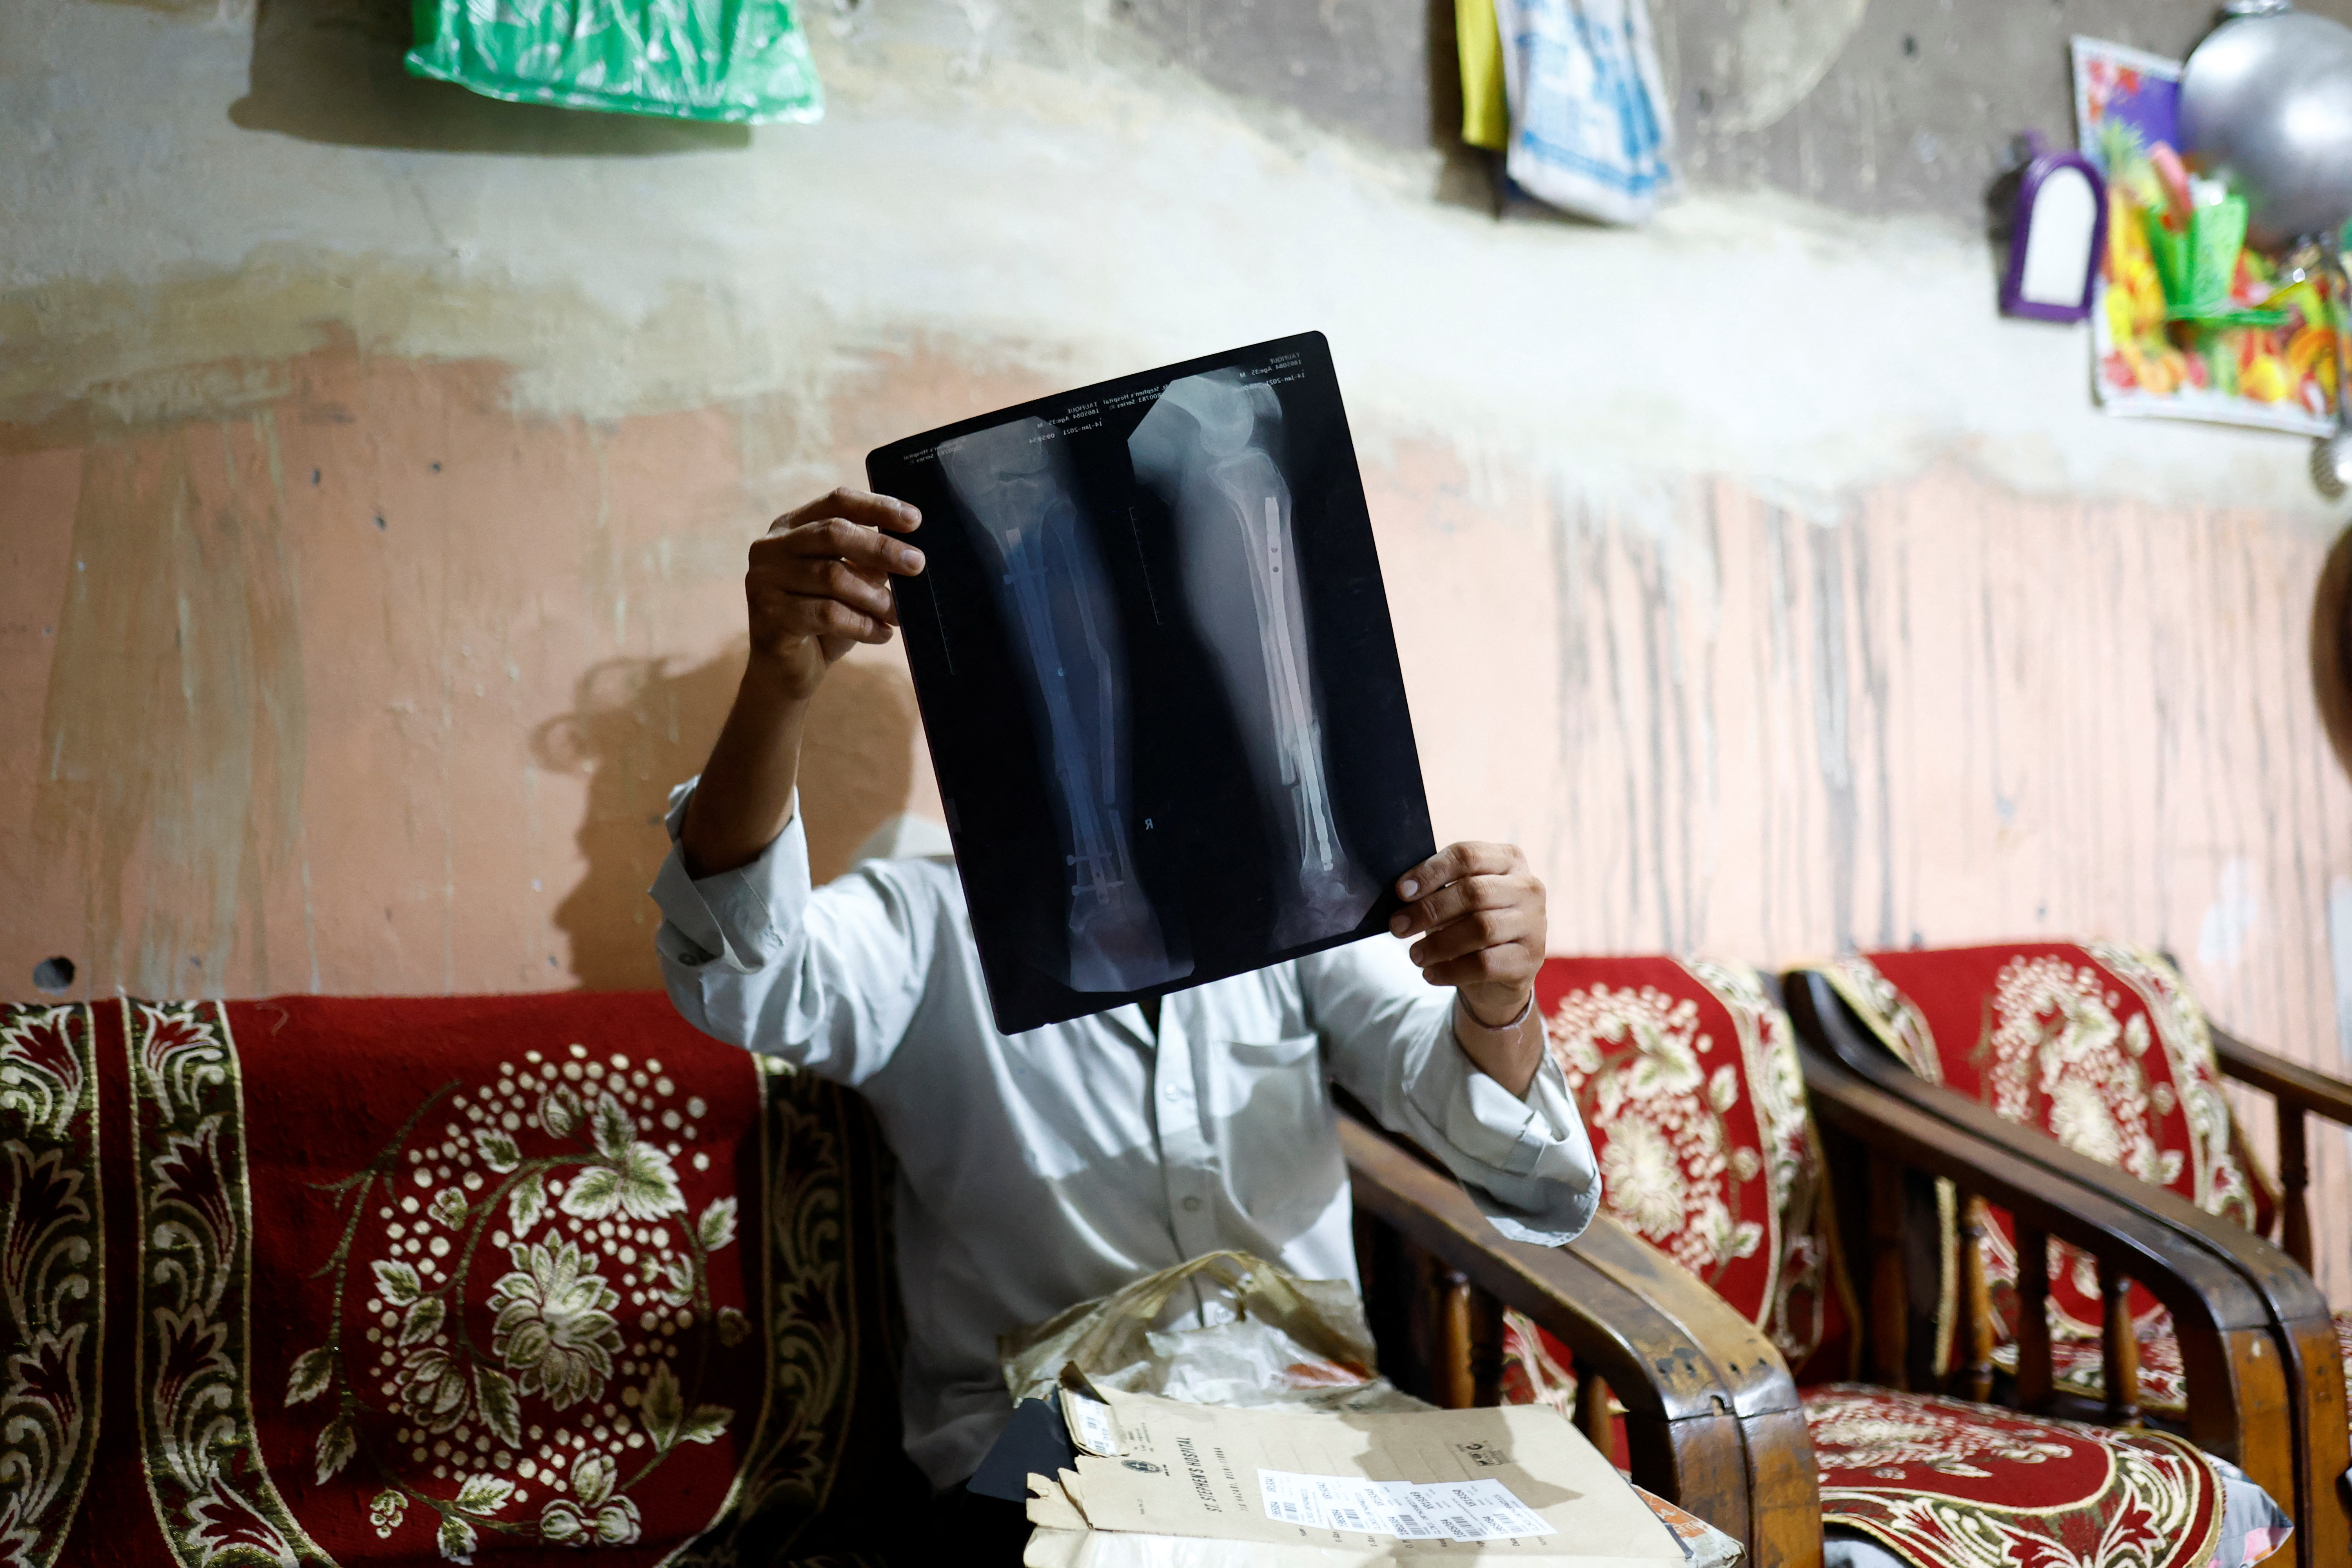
[
  {"x": 820, "y": 582},
  {"x": 1480, "y": 912}
]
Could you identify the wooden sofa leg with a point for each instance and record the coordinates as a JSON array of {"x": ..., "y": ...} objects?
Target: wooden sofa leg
[
  {"x": 1471, "y": 1333},
  {"x": 2118, "y": 1349},
  {"x": 2034, "y": 1378},
  {"x": 1890, "y": 1297},
  {"x": 1973, "y": 1379},
  {"x": 2295, "y": 1180},
  {"x": 1593, "y": 1410}
]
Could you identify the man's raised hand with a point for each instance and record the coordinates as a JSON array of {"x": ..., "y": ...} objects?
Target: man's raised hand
[{"x": 819, "y": 582}]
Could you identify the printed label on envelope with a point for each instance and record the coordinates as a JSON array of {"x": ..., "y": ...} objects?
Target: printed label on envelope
[{"x": 1440, "y": 1510}]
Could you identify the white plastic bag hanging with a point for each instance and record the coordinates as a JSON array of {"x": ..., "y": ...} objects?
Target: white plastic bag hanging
[{"x": 1590, "y": 132}]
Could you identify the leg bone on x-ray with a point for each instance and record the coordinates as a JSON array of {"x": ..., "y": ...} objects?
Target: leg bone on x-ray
[
  {"x": 1055, "y": 603},
  {"x": 1208, "y": 448}
]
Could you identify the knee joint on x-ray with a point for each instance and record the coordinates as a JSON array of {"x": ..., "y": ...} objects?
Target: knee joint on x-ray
[{"x": 1211, "y": 448}]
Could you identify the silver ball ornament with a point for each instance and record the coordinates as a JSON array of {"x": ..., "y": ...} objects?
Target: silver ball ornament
[{"x": 2266, "y": 103}]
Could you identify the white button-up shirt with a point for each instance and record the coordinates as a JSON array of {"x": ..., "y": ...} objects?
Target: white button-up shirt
[{"x": 1043, "y": 1169}]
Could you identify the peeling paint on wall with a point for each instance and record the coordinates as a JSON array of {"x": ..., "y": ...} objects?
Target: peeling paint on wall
[
  {"x": 1961, "y": 715},
  {"x": 172, "y": 742}
]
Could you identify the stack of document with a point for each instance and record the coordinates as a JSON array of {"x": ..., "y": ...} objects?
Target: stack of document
[{"x": 1162, "y": 1484}]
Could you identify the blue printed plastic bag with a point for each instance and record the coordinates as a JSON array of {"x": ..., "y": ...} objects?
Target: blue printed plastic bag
[{"x": 1590, "y": 133}]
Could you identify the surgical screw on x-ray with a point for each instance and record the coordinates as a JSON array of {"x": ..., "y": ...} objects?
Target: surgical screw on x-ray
[
  {"x": 1056, "y": 603},
  {"x": 1210, "y": 447}
]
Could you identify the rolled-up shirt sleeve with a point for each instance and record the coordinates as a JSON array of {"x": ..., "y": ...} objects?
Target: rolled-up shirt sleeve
[
  {"x": 827, "y": 978},
  {"x": 731, "y": 920},
  {"x": 1526, "y": 1163}
]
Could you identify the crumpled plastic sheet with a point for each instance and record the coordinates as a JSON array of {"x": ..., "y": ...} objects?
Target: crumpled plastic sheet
[
  {"x": 1268, "y": 1341},
  {"x": 741, "y": 61}
]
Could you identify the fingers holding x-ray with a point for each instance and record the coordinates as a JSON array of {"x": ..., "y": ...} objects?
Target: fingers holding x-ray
[
  {"x": 1211, "y": 448},
  {"x": 1057, "y": 605}
]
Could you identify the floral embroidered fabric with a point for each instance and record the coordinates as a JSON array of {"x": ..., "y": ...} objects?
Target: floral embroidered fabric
[
  {"x": 1955, "y": 1485},
  {"x": 1687, "y": 1077},
  {"x": 2099, "y": 1046},
  {"x": 401, "y": 1281},
  {"x": 2077, "y": 1364},
  {"x": 55, "y": 1285}
]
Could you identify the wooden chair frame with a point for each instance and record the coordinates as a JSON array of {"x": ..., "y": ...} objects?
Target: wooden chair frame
[
  {"x": 2296, "y": 1093},
  {"x": 1712, "y": 1419},
  {"x": 2265, "y": 1379}
]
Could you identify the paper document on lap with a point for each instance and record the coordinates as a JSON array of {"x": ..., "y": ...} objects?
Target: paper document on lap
[{"x": 1517, "y": 1481}]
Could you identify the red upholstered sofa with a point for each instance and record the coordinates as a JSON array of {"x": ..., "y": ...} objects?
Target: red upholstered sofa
[
  {"x": 506, "y": 1279},
  {"x": 1690, "y": 1080},
  {"x": 494, "y": 1279},
  {"x": 2094, "y": 1061}
]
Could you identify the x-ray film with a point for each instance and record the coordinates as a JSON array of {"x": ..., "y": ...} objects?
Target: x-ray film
[{"x": 1158, "y": 678}]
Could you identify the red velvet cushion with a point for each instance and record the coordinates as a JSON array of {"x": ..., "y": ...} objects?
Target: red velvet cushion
[
  {"x": 1941, "y": 1482},
  {"x": 393, "y": 1281},
  {"x": 1686, "y": 1076},
  {"x": 2099, "y": 1046}
]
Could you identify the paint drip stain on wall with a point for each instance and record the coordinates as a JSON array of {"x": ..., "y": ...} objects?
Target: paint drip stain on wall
[{"x": 173, "y": 726}]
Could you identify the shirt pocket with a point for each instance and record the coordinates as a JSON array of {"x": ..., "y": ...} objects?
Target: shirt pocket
[
  {"x": 1277, "y": 1133},
  {"x": 1289, "y": 1051}
]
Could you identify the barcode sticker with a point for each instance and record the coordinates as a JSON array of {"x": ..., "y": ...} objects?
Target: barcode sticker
[
  {"x": 1412, "y": 1510},
  {"x": 1500, "y": 1515},
  {"x": 1091, "y": 1428}
]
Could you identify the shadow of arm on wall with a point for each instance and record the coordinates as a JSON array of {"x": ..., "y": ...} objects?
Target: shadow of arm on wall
[
  {"x": 330, "y": 70},
  {"x": 638, "y": 726}
]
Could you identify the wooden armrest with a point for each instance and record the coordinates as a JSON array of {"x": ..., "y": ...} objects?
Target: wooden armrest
[
  {"x": 2265, "y": 1385},
  {"x": 2290, "y": 1082},
  {"x": 2218, "y": 1270},
  {"x": 2296, "y": 1092},
  {"x": 1713, "y": 1422}
]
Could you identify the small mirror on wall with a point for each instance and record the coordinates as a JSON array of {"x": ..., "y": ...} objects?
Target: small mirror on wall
[{"x": 2060, "y": 229}]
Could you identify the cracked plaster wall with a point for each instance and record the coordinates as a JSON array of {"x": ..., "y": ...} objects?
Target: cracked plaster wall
[{"x": 376, "y": 462}]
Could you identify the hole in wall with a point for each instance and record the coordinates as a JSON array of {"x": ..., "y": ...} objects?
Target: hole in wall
[{"x": 53, "y": 975}]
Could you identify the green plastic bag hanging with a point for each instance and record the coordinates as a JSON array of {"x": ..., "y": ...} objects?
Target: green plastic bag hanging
[{"x": 744, "y": 61}]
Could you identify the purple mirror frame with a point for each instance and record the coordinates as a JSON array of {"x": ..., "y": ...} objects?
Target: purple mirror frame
[{"x": 2046, "y": 163}]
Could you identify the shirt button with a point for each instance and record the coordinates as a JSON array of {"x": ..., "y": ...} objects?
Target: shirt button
[{"x": 1191, "y": 1205}]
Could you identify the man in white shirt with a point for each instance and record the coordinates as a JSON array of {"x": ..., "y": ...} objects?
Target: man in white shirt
[{"x": 1044, "y": 1169}]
